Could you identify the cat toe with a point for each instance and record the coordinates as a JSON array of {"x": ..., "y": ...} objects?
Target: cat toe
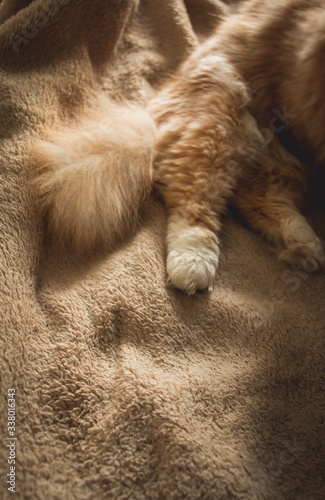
[
  {"x": 192, "y": 270},
  {"x": 192, "y": 255},
  {"x": 302, "y": 247},
  {"x": 308, "y": 256}
]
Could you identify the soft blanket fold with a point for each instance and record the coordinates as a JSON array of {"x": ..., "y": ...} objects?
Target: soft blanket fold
[{"x": 124, "y": 387}]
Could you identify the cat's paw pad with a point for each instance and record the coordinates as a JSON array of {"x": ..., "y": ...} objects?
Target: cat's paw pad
[
  {"x": 302, "y": 247},
  {"x": 192, "y": 257}
]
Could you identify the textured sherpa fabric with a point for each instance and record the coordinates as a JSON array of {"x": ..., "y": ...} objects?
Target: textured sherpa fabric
[{"x": 126, "y": 388}]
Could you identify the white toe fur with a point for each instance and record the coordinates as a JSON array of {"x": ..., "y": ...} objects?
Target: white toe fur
[
  {"x": 302, "y": 246},
  {"x": 192, "y": 255}
]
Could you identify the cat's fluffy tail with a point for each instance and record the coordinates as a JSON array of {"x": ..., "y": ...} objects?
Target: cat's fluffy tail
[{"x": 92, "y": 178}]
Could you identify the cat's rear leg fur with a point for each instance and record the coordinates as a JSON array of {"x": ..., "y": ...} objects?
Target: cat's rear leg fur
[
  {"x": 273, "y": 209},
  {"x": 192, "y": 176},
  {"x": 196, "y": 115},
  {"x": 302, "y": 247},
  {"x": 192, "y": 255},
  {"x": 195, "y": 198}
]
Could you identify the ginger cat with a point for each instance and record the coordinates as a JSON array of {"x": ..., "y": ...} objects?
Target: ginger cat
[{"x": 217, "y": 143}]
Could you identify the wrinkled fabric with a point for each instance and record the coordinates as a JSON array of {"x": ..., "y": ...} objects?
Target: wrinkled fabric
[{"x": 124, "y": 386}]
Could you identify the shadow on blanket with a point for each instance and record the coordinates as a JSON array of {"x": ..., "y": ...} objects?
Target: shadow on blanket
[{"x": 125, "y": 388}]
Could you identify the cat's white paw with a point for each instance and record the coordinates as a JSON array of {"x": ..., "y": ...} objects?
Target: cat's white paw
[
  {"x": 302, "y": 247},
  {"x": 192, "y": 256}
]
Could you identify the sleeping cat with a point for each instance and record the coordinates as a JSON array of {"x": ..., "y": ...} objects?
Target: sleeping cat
[
  {"x": 217, "y": 142},
  {"x": 217, "y": 139}
]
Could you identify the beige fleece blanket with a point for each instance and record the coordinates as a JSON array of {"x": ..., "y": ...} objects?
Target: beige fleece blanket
[{"x": 120, "y": 387}]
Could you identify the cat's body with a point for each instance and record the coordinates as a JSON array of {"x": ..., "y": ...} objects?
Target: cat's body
[
  {"x": 261, "y": 64},
  {"x": 217, "y": 141}
]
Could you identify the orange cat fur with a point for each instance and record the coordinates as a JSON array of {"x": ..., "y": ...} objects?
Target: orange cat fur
[
  {"x": 216, "y": 143},
  {"x": 261, "y": 64},
  {"x": 92, "y": 177}
]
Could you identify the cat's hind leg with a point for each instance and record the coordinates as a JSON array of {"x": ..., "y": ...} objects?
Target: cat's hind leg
[
  {"x": 192, "y": 254},
  {"x": 196, "y": 115},
  {"x": 271, "y": 204},
  {"x": 196, "y": 179},
  {"x": 302, "y": 247}
]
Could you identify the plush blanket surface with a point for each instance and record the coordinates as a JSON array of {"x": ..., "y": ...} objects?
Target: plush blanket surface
[{"x": 123, "y": 387}]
